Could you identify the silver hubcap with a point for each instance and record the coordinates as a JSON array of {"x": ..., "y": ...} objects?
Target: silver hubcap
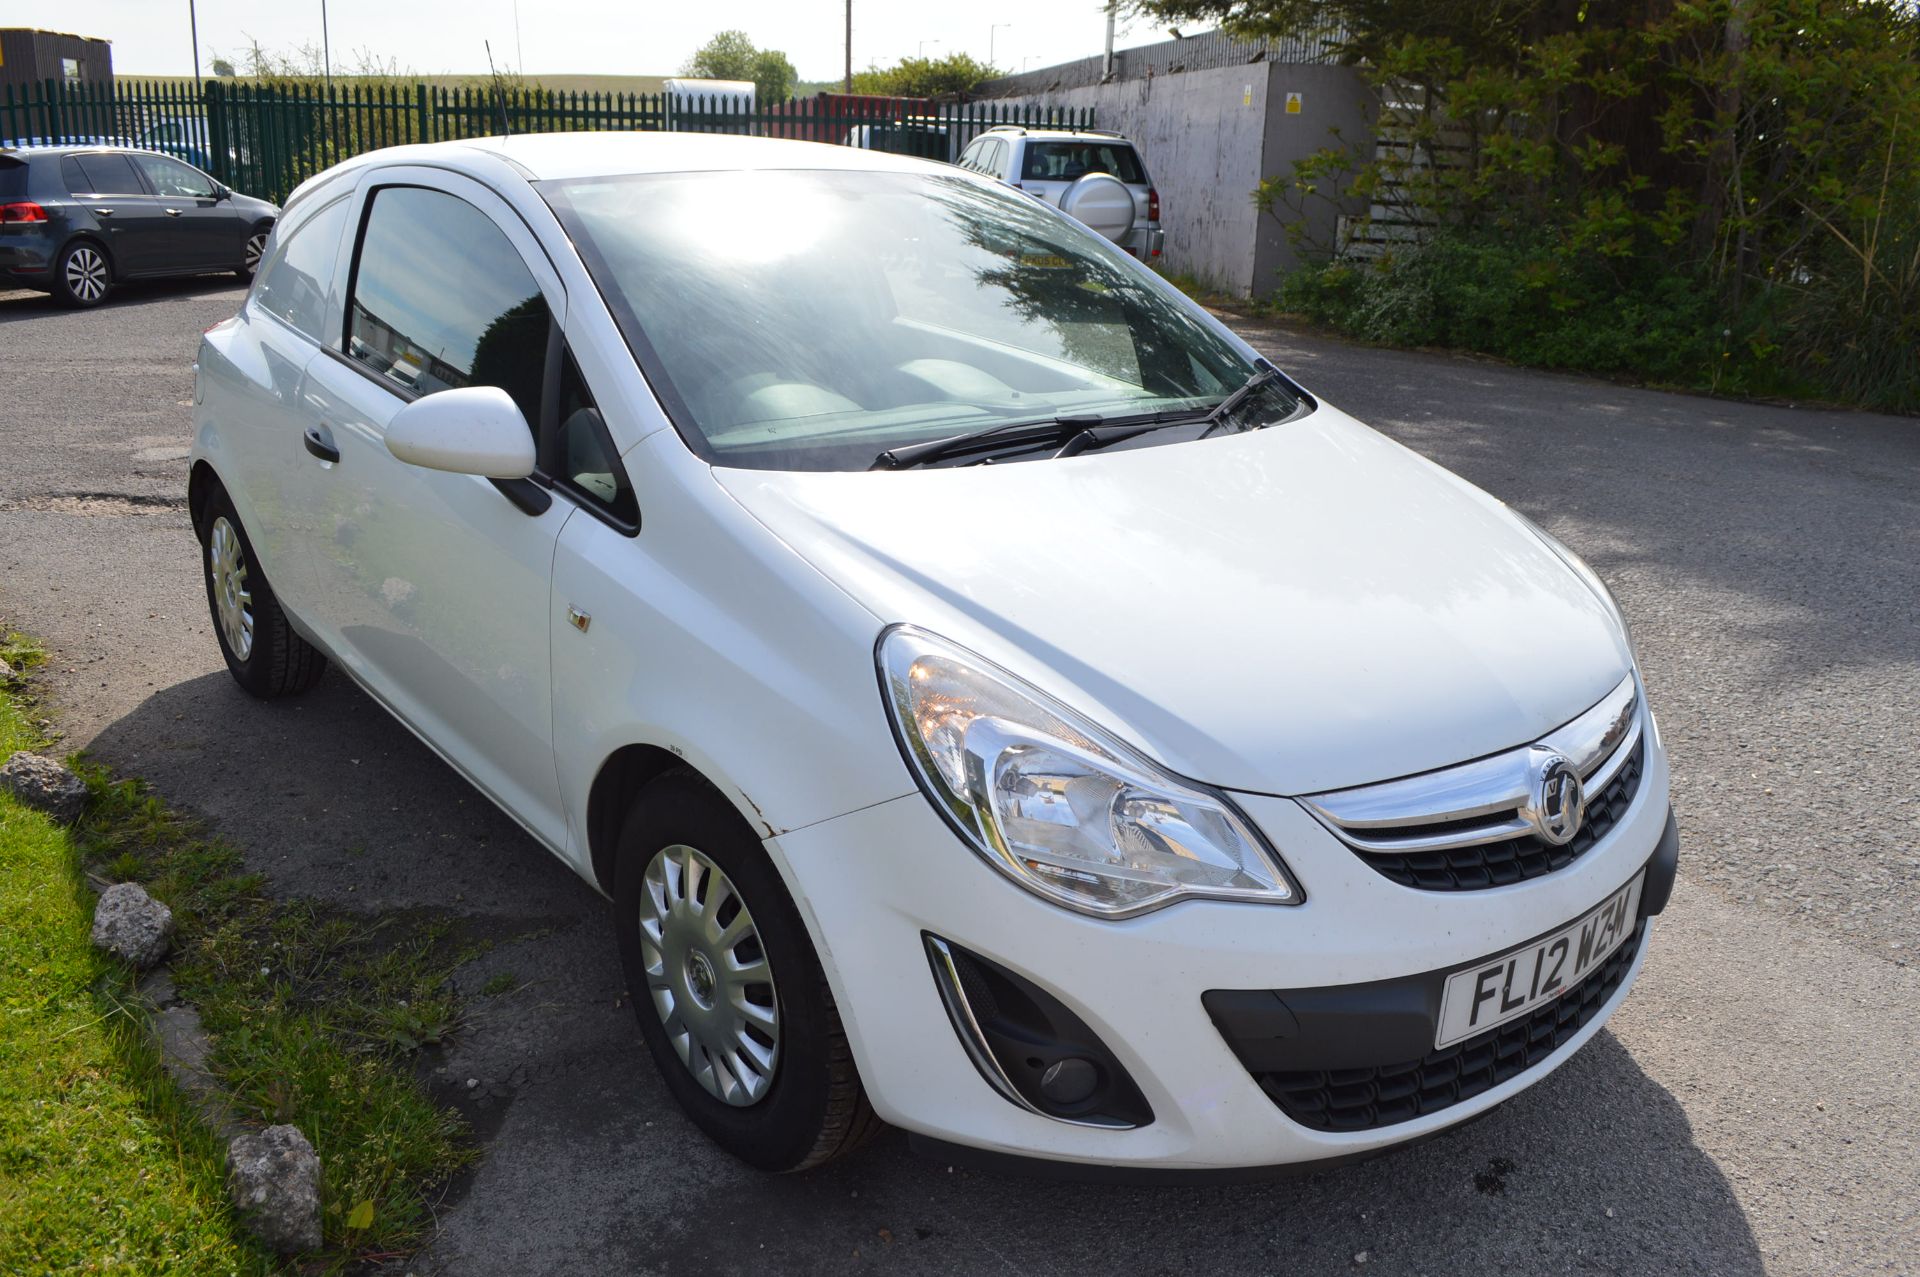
[
  {"x": 87, "y": 275},
  {"x": 232, "y": 600},
  {"x": 256, "y": 245},
  {"x": 708, "y": 974}
]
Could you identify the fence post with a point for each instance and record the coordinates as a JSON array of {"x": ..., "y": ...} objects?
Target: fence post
[
  {"x": 50, "y": 112},
  {"x": 219, "y": 133}
]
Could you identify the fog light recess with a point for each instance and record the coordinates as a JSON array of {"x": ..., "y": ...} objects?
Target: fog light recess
[{"x": 1029, "y": 1047}]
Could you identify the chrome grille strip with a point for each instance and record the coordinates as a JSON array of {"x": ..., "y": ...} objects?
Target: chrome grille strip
[{"x": 1480, "y": 801}]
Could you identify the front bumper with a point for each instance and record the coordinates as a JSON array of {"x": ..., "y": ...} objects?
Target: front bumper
[{"x": 874, "y": 883}]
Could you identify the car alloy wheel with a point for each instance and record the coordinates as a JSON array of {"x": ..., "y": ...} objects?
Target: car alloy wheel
[
  {"x": 256, "y": 246},
  {"x": 86, "y": 274},
  {"x": 233, "y": 600},
  {"x": 709, "y": 976}
]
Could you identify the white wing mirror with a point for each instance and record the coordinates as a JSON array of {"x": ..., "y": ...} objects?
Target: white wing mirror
[{"x": 472, "y": 430}]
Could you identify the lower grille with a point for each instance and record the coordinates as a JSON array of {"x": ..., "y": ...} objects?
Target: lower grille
[
  {"x": 1511, "y": 860},
  {"x": 1363, "y": 1099}
]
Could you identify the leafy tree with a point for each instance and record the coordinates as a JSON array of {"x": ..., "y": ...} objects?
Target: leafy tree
[
  {"x": 732, "y": 55},
  {"x": 773, "y": 76},
  {"x": 926, "y": 77},
  {"x": 728, "y": 56},
  {"x": 223, "y": 68}
]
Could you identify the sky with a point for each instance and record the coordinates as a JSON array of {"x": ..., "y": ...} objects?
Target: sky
[{"x": 583, "y": 37}]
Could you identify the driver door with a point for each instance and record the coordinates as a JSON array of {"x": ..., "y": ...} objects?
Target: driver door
[{"x": 434, "y": 588}]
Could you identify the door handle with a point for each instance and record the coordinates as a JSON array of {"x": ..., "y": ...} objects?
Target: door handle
[
  {"x": 173, "y": 212},
  {"x": 104, "y": 212},
  {"x": 320, "y": 443}
]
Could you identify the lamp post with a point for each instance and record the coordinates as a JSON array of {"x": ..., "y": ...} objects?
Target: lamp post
[
  {"x": 326, "y": 47},
  {"x": 193, "y": 25},
  {"x": 1106, "y": 70},
  {"x": 991, "y": 32},
  {"x": 849, "y": 87}
]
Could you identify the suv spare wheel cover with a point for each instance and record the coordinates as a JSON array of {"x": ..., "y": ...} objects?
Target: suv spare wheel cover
[{"x": 1102, "y": 203}]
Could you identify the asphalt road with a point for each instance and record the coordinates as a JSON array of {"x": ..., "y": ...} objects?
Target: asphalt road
[{"x": 1752, "y": 1108}]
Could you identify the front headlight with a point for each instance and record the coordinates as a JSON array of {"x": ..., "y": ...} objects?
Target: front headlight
[{"x": 1062, "y": 807}]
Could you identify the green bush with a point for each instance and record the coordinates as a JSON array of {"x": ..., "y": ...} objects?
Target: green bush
[{"x": 1521, "y": 299}]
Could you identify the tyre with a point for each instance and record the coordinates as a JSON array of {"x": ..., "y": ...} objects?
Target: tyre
[
  {"x": 263, "y": 653},
  {"x": 83, "y": 276},
  {"x": 725, "y": 983},
  {"x": 256, "y": 248}
]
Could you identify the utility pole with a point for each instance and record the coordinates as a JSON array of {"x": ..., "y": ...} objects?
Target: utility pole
[
  {"x": 519, "y": 56},
  {"x": 193, "y": 25},
  {"x": 849, "y": 87},
  {"x": 1106, "y": 72},
  {"x": 326, "y": 47},
  {"x": 991, "y": 32}
]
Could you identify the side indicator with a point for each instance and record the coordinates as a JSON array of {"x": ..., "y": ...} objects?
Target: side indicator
[{"x": 578, "y": 619}]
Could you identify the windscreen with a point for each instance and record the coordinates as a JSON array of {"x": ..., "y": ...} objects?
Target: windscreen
[{"x": 809, "y": 320}]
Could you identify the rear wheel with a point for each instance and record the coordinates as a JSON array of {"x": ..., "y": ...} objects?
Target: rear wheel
[
  {"x": 264, "y": 654},
  {"x": 727, "y": 988},
  {"x": 82, "y": 276}
]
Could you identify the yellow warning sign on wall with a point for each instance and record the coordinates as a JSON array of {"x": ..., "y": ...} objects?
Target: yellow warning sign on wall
[{"x": 1293, "y": 104}]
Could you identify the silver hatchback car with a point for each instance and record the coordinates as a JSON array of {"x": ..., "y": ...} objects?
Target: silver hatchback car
[{"x": 1094, "y": 175}]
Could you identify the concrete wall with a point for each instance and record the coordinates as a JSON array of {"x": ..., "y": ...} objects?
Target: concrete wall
[
  {"x": 1200, "y": 134},
  {"x": 1208, "y": 138}
]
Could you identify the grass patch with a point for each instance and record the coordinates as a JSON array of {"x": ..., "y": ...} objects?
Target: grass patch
[
  {"x": 102, "y": 1165},
  {"x": 315, "y": 1017}
]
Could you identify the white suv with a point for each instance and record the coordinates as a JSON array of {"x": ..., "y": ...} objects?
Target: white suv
[{"x": 1093, "y": 175}]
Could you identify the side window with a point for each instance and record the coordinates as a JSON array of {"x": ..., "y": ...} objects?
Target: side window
[
  {"x": 108, "y": 173},
  {"x": 583, "y": 460},
  {"x": 442, "y": 299},
  {"x": 77, "y": 181},
  {"x": 970, "y": 158},
  {"x": 997, "y": 158},
  {"x": 293, "y": 283},
  {"x": 172, "y": 178}
]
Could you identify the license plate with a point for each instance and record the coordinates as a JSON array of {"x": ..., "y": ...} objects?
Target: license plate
[{"x": 1507, "y": 987}]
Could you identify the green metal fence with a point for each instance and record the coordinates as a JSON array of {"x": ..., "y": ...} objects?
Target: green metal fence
[{"x": 267, "y": 139}]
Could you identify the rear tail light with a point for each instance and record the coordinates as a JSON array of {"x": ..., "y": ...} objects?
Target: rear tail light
[
  {"x": 24, "y": 211},
  {"x": 1153, "y": 205}
]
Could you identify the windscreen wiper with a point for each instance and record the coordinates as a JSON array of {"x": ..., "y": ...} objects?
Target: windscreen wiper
[
  {"x": 1251, "y": 387},
  {"x": 1113, "y": 432},
  {"x": 1063, "y": 430}
]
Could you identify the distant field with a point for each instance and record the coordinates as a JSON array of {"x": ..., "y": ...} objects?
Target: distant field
[{"x": 558, "y": 83}]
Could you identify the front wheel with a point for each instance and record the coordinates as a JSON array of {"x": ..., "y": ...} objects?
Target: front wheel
[
  {"x": 728, "y": 991},
  {"x": 263, "y": 652},
  {"x": 82, "y": 276},
  {"x": 256, "y": 248}
]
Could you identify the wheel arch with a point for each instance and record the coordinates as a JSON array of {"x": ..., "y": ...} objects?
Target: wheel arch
[
  {"x": 202, "y": 483},
  {"x": 620, "y": 778}
]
